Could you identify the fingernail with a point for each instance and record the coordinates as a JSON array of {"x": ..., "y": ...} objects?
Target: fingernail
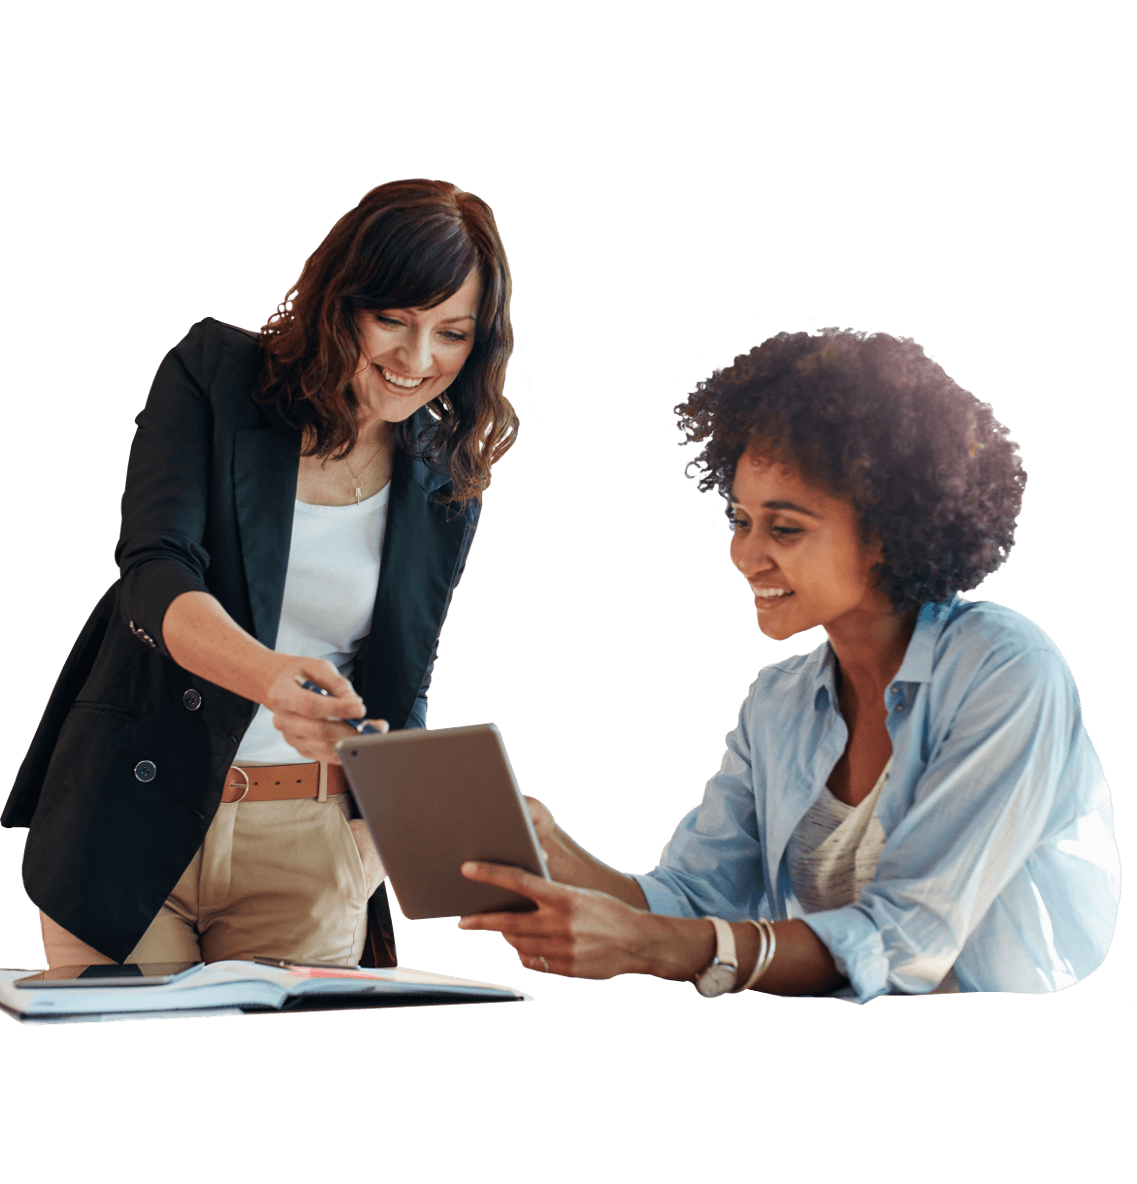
[{"x": 462, "y": 923}]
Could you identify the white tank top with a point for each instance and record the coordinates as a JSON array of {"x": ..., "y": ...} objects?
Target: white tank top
[
  {"x": 329, "y": 596},
  {"x": 833, "y": 854}
]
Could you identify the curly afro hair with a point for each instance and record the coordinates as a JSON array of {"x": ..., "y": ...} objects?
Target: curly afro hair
[{"x": 928, "y": 469}]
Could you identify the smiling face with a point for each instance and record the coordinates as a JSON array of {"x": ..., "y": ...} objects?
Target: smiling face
[
  {"x": 409, "y": 356},
  {"x": 801, "y": 553}
]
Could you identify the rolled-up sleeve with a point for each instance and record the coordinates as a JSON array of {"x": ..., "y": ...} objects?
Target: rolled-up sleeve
[
  {"x": 713, "y": 864},
  {"x": 978, "y": 813},
  {"x": 160, "y": 551}
]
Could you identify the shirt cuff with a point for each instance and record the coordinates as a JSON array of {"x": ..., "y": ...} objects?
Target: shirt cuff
[
  {"x": 663, "y": 900},
  {"x": 857, "y": 949}
]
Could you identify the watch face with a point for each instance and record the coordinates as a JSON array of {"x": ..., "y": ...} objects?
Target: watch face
[{"x": 715, "y": 980}]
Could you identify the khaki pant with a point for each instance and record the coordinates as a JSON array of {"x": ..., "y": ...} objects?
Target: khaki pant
[{"x": 280, "y": 879}]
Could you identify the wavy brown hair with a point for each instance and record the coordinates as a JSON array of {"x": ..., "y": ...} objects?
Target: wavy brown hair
[
  {"x": 927, "y": 467},
  {"x": 408, "y": 244}
]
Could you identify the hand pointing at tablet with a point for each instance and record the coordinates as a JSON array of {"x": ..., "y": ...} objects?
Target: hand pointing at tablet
[{"x": 311, "y": 723}]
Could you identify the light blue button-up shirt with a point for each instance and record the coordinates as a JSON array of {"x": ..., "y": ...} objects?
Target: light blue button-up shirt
[{"x": 1000, "y": 858}]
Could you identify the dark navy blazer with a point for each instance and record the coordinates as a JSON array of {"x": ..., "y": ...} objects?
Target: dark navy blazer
[{"x": 208, "y": 506}]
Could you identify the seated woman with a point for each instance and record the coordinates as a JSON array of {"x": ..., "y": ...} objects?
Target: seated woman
[{"x": 915, "y": 805}]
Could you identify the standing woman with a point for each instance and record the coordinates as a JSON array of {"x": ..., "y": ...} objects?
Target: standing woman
[
  {"x": 915, "y": 806},
  {"x": 299, "y": 505}
]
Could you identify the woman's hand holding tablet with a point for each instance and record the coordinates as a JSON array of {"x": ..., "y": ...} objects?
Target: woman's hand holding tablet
[
  {"x": 441, "y": 801},
  {"x": 591, "y": 922},
  {"x": 579, "y": 932}
]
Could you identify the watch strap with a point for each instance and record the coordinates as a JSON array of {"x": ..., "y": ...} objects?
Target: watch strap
[{"x": 725, "y": 952}]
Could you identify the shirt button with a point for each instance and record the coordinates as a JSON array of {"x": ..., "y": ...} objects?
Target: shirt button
[
  {"x": 145, "y": 770},
  {"x": 191, "y": 700}
]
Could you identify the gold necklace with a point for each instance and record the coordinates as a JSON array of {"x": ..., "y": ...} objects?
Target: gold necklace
[
  {"x": 357, "y": 482},
  {"x": 357, "y": 478}
]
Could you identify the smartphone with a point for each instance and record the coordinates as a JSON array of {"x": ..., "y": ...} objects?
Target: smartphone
[{"x": 143, "y": 974}]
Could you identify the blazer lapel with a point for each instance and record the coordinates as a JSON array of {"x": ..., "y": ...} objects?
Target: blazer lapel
[
  {"x": 265, "y": 466},
  {"x": 421, "y": 552}
]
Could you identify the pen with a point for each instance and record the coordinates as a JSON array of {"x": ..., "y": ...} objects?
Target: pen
[
  {"x": 360, "y": 725},
  {"x": 288, "y": 964}
]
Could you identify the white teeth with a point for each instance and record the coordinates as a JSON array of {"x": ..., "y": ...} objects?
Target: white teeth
[
  {"x": 767, "y": 593},
  {"x": 395, "y": 380}
]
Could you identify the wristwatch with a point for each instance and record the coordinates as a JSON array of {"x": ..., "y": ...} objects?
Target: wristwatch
[{"x": 719, "y": 977}]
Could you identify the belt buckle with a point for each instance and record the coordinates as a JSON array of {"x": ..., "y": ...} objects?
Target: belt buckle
[{"x": 232, "y": 785}]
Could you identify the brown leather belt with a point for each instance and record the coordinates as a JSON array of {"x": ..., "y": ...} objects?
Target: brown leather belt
[{"x": 276, "y": 783}]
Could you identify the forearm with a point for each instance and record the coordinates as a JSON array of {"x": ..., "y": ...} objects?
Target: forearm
[
  {"x": 203, "y": 639},
  {"x": 680, "y": 947},
  {"x": 569, "y": 863}
]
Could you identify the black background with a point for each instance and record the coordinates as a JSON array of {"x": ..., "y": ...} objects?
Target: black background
[{"x": 599, "y": 622}]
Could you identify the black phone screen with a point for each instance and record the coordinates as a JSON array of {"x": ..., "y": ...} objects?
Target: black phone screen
[{"x": 143, "y": 974}]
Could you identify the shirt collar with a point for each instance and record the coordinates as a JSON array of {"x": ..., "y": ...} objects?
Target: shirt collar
[
  {"x": 917, "y": 664},
  {"x": 930, "y": 621}
]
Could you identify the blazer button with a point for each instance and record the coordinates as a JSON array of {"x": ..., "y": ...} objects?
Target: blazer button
[
  {"x": 191, "y": 700},
  {"x": 145, "y": 770}
]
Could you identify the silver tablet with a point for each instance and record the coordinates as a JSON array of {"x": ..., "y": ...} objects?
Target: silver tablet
[{"x": 433, "y": 799}]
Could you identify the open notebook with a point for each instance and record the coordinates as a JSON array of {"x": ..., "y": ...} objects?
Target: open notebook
[{"x": 231, "y": 988}]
